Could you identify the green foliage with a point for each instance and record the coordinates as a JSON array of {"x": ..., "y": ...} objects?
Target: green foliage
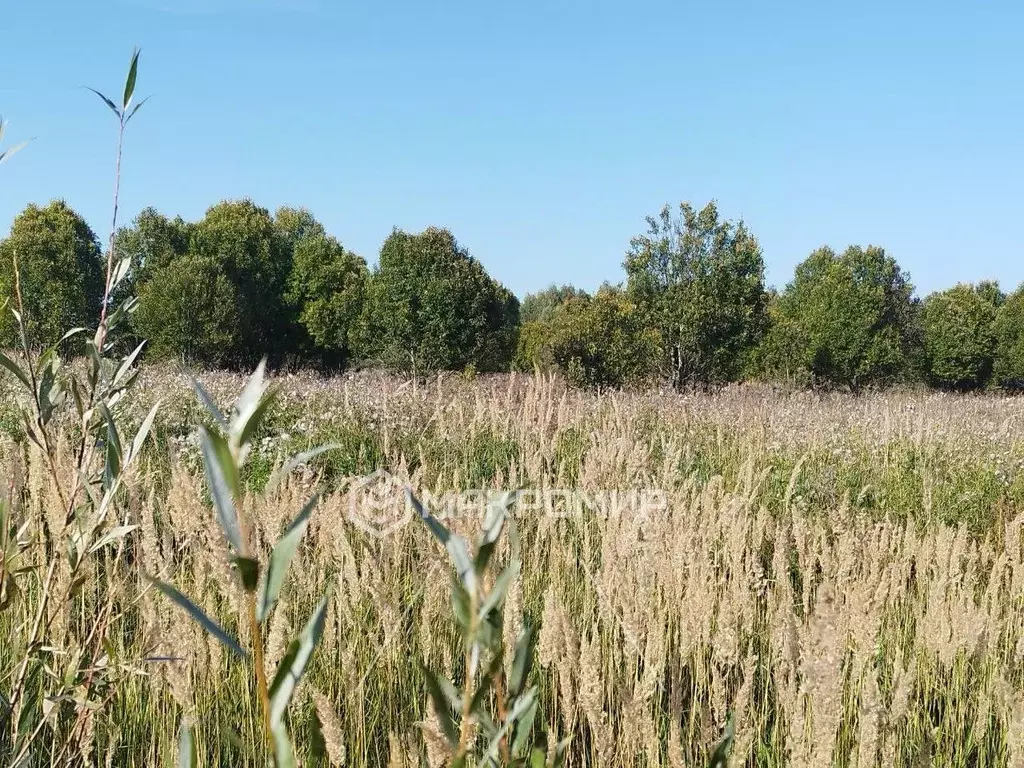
[
  {"x": 188, "y": 310},
  {"x": 60, "y": 274},
  {"x": 431, "y": 306},
  {"x": 48, "y": 695},
  {"x": 540, "y": 307},
  {"x": 294, "y": 224},
  {"x": 325, "y": 291},
  {"x": 225, "y": 451},
  {"x": 959, "y": 337},
  {"x": 241, "y": 239},
  {"x": 852, "y": 317},
  {"x": 990, "y": 291},
  {"x": 533, "y": 346},
  {"x": 1009, "y": 332},
  {"x": 603, "y": 341},
  {"x": 490, "y": 721},
  {"x": 779, "y": 357},
  {"x": 700, "y": 280},
  {"x": 152, "y": 242}
]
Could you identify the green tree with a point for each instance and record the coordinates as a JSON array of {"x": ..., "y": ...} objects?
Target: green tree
[
  {"x": 1009, "y": 332},
  {"x": 431, "y": 306},
  {"x": 60, "y": 269},
  {"x": 293, "y": 224},
  {"x": 990, "y": 291},
  {"x": 152, "y": 241},
  {"x": 325, "y": 292},
  {"x": 780, "y": 355},
  {"x": 188, "y": 310},
  {"x": 959, "y": 337},
  {"x": 241, "y": 239},
  {"x": 603, "y": 341},
  {"x": 700, "y": 280},
  {"x": 533, "y": 346},
  {"x": 854, "y": 315},
  {"x": 541, "y": 306}
]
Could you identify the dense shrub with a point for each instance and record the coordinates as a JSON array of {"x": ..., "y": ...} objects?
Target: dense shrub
[
  {"x": 959, "y": 337},
  {"x": 431, "y": 306},
  {"x": 188, "y": 310},
  {"x": 849, "y": 318},
  {"x": 240, "y": 238},
  {"x": 1009, "y": 335},
  {"x": 325, "y": 293},
  {"x": 780, "y": 355},
  {"x": 700, "y": 281},
  {"x": 60, "y": 269},
  {"x": 541, "y": 306},
  {"x": 603, "y": 341}
]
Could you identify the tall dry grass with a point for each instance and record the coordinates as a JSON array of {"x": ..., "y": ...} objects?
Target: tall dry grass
[{"x": 845, "y": 577}]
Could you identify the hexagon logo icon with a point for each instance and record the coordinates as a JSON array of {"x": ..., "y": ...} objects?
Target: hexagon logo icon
[{"x": 377, "y": 504}]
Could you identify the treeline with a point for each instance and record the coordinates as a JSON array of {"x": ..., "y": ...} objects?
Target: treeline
[{"x": 693, "y": 310}]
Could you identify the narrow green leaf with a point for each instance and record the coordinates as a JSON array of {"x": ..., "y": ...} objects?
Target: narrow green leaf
[
  {"x": 476, "y": 705},
  {"x": 454, "y": 543},
  {"x": 120, "y": 271},
  {"x": 522, "y": 659},
  {"x": 284, "y": 751},
  {"x": 281, "y": 558},
  {"x": 197, "y": 613},
  {"x": 13, "y": 367},
  {"x": 186, "y": 746},
  {"x": 210, "y": 405},
  {"x": 135, "y": 109},
  {"x": 296, "y": 461},
  {"x": 293, "y": 666},
  {"x": 255, "y": 418},
  {"x": 126, "y": 365},
  {"x": 76, "y": 393},
  {"x": 69, "y": 335},
  {"x": 108, "y": 102},
  {"x": 11, "y": 151},
  {"x": 460, "y": 603},
  {"x": 114, "y": 534},
  {"x": 249, "y": 570},
  {"x": 114, "y": 452},
  {"x": 496, "y": 514},
  {"x": 443, "y": 706},
  {"x": 483, "y": 556},
  {"x": 249, "y": 399},
  {"x": 129, "y": 83},
  {"x": 522, "y": 706},
  {"x": 537, "y": 759},
  {"x": 494, "y": 523},
  {"x": 521, "y": 731},
  {"x": 127, "y": 307},
  {"x": 316, "y": 741},
  {"x": 496, "y": 595},
  {"x": 143, "y": 433},
  {"x": 221, "y": 476}
]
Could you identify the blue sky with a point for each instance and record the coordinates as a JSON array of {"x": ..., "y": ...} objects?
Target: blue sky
[{"x": 542, "y": 133}]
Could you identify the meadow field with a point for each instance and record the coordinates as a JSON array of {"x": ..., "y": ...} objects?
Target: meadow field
[{"x": 841, "y": 578}]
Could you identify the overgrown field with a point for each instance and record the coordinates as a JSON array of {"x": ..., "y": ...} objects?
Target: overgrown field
[{"x": 843, "y": 576}]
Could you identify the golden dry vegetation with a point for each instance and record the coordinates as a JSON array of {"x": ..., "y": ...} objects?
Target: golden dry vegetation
[{"x": 843, "y": 576}]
